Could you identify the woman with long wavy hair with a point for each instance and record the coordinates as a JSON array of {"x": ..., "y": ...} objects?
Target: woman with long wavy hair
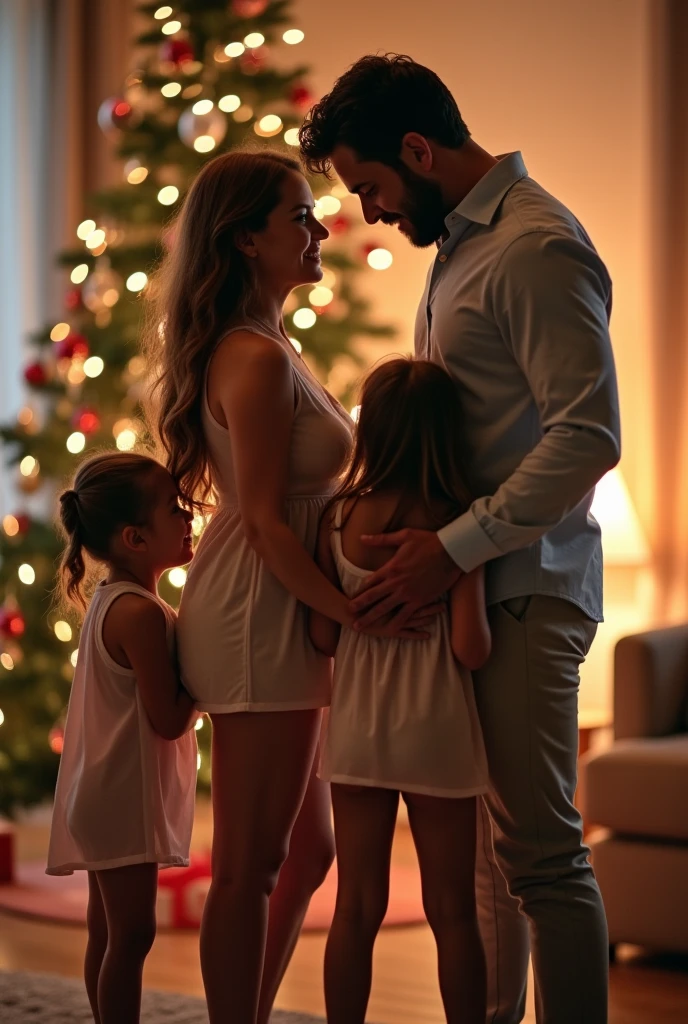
[{"x": 244, "y": 424}]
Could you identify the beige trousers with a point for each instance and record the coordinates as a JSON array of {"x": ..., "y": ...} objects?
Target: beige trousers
[{"x": 536, "y": 890}]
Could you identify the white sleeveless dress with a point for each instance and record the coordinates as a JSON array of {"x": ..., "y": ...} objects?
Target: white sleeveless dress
[
  {"x": 124, "y": 794},
  {"x": 403, "y": 713},
  {"x": 243, "y": 637}
]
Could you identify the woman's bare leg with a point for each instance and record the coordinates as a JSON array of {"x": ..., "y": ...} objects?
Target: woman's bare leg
[
  {"x": 364, "y": 819},
  {"x": 311, "y": 852},
  {"x": 96, "y": 924},
  {"x": 129, "y": 896},
  {"x": 261, "y": 763},
  {"x": 444, "y": 835}
]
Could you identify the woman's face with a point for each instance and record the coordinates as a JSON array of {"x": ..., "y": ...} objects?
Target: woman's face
[{"x": 286, "y": 252}]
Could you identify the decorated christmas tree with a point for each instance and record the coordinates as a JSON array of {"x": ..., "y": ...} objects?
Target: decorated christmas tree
[{"x": 211, "y": 75}]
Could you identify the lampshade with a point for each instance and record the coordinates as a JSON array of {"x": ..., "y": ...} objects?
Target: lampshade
[{"x": 623, "y": 539}]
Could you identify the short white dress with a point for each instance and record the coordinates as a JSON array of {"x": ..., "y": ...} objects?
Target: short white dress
[
  {"x": 124, "y": 794},
  {"x": 403, "y": 713},
  {"x": 243, "y": 637}
]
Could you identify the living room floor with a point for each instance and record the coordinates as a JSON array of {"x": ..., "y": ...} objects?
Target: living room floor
[{"x": 644, "y": 990}]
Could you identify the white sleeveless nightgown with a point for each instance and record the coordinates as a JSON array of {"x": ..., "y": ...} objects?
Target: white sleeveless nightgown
[
  {"x": 124, "y": 794},
  {"x": 403, "y": 713},
  {"x": 242, "y": 636}
]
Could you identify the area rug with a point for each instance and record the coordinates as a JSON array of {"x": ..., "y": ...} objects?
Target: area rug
[
  {"x": 180, "y": 904},
  {"x": 27, "y": 998}
]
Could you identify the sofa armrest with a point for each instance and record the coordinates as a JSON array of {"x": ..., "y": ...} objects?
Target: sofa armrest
[{"x": 651, "y": 683}]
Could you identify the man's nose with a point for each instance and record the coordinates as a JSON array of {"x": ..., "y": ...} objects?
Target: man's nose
[{"x": 371, "y": 212}]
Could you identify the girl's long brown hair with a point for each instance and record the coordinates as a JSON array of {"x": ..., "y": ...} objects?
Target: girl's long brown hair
[
  {"x": 203, "y": 282},
  {"x": 408, "y": 441},
  {"x": 109, "y": 491}
]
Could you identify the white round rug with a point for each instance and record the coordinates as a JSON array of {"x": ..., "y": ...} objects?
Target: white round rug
[{"x": 28, "y": 998}]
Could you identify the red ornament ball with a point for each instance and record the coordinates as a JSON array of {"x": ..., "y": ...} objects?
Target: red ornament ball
[
  {"x": 367, "y": 249},
  {"x": 35, "y": 374},
  {"x": 115, "y": 113},
  {"x": 23, "y": 522},
  {"x": 71, "y": 346},
  {"x": 339, "y": 225},
  {"x": 73, "y": 300},
  {"x": 301, "y": 97},
  {"x": 86, "y": 420},
  {"x": 182, "y": 893},
  {"x": 12, "y": 623},
  {"x": 176, "y": 51},
  {"x": 249, "y": 8}
]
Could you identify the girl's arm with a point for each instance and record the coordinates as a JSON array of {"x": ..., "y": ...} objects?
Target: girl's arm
[
  {"x": 257, "y": 399},
  {"x": 471, "y": 640},
  {"x": 134, "y": 634},
  {"x": 324, "y": 632}
]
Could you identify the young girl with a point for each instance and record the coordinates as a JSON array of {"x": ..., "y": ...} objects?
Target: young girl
[
  {"x": 125, "y": 790},
  {"x": 403, "y": 717}
]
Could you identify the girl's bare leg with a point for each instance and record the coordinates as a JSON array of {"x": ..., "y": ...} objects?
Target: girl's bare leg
[
  {"x": 444, "y": 835},
  {"x": 364, "y": 819},
  {"x": 129, "y": 895},
  {"x": 311, "y": 852},
  {"x": 96, "y": 924},
  {"x": 261, "y": 763}
]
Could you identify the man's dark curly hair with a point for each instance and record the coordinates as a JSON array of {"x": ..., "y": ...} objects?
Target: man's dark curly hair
[{"x": 373, "y": 105}]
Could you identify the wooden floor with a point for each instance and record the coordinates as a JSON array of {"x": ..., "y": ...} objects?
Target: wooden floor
[{"x": 643, "y": 991}]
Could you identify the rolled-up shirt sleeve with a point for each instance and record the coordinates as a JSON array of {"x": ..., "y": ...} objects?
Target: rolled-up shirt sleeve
[{"x": 550, "y": 297}]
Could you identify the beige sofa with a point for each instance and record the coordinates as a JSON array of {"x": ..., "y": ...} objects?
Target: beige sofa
[{"x": 637, "y": 791}]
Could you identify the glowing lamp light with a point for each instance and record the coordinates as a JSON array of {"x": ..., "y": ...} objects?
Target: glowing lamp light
[
  {"x": 297, "y": 345},
  {"x": 25, "y": 416},
  {"x": 137, "y": 175},
  {"x": 321, "y": 296},
  {"x": 2, "y": 717},
  {"x": 177, "y": 576},
  {"x": 623, "y": 538},
  {"x": 95, "y": 239},
  {"x": 168, "y": 195},
  {"x": 79, "y": 274},
  {"x": 329, "y": 205},
  {"x": 110, "y": 297},
  {"x": 197, "y": 524},
  {"x": 355, "y": 413},
  {"x": 28, "y": 466},
  {"x": 63, "y": 631},
  {"x": 137, "y": 281},
  {"x": 94, "y": 366},
  {"x": 6, "y": 661},
  {"x": 86, "y": 228},
  {"x": 244, "y": 113},
  {"x": 171, "y": 27},
  {"x": 59, "y": 332},
  {"x": 380, "y": 259},
  {"x": 204, "y": 144},
  {"x": 304, "y": 318},
  {"x": 74, "y": 657},
  {"x": 171, "y": 89},
  {"x": 75, "y": 374},
  {"x": 126, "y": 440},
  {"x": 199, "y": 724},
  {"x": 26, "y": 573},
  {"x": 340, "y": 191},
  {"x": 198, "y": 761},
  {"x": 203, "y": 106},
  {"x": 10, "y": 525},
  {"x": 291, "y": 136},
  {"x": 253, "y": 40},
  {"x": 229, "y": 103},
  {"x": 234, "y": 49},
  {"x": 293, "y": 36},
  {"x": 76, "y": 442},
  {"x": 269, "y": 125},
  {"x": 162, "y": 13}
]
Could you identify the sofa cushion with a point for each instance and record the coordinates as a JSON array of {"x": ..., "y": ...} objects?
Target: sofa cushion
[{"x": 639, "y": 787}]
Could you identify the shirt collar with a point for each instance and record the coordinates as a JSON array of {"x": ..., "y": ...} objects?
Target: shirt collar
[{"x": 481, "y": 203}]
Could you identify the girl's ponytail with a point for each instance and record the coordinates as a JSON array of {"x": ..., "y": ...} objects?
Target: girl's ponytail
[{"x": 72, "y": 566}]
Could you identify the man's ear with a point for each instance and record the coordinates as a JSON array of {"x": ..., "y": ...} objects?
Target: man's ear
[
  {"x": 416, "y": 152},
  {"x": 245, "y": 244},
  {"x": 133, "y": 539}
]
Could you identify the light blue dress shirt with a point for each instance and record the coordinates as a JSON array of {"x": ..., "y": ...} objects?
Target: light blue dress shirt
[{"x": 516, "y": 308}]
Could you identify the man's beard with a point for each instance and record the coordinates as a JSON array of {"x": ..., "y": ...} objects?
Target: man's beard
[{"x": 422, "y": 207}]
